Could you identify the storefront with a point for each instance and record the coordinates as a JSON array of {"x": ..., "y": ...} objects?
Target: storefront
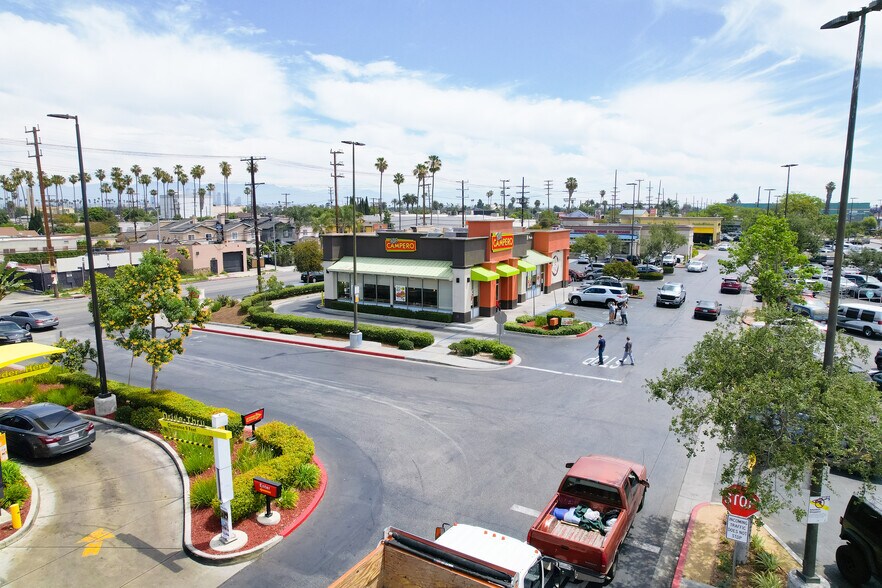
[{"x": 466, "y": 273}]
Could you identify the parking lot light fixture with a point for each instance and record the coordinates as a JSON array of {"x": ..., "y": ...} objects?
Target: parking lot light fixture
[
  {"x": 96, "y": 313},
  {"x": 633, "y": 209},
  {"x": 355, "y": 335},
  {"x": 787, "y": 188}
]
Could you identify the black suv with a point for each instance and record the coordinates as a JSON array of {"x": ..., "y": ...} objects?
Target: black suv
[
  {"x": 308, "y": 277},
  {"x": 861, "y": 557}
]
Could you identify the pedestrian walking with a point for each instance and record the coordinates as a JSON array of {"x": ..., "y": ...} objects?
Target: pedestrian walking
[
  {"x": 627, "y": 354},
  {"x": 600, "y": 347},
  {"x": 612, "y": 312},
  {"x": 623, "y": 311}
]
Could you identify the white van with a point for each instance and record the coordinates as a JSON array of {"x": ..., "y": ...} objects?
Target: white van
[{"x": 865, "y": 318}]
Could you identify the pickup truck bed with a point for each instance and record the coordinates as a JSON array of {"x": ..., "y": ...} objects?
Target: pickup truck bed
[{"x": 572, "y": 532}]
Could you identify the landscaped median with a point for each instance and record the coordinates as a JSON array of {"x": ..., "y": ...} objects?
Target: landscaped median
[{"x": 556, "y": 323}]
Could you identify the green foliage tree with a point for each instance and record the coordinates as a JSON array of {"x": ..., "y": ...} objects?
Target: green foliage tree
[
  {"x": 11, "y": 281},
  {"x": 144, "y": 311},
  {"x": 620, "y": 270},
  {"x": 35, "y": 222},
  {"x": 101, "y": 215},
  {"x": 76, "y": 354},
  {"x": 765, "y": 251},
  {"x": 591, "y": 245},
  {"x": 726, "y": 211},
  {"x": 307, "y": 255},
  {"x": 546, "y": 220},
  {"x": 613, "y": 243},
  {"x": 868, "y": 260},
  {"x": 663, "y": 237},
  {"x": 869, "y": 224},
  {"x": 785, "y": 410}
]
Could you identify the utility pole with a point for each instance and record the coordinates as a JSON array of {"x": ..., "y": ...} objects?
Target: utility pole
[
  {"x": 523, "y": 200},
  {"x": 335, "y": 175},
  {"x": 462, "y": 189},
  {"x": 49, "y": 249},
  {"x": 758, "y": 197},
  {"x": 504, "y": 182},
  {"x": 658, "y": 196},
  {"x": 330, "y": 196},
  {"x": 615, "y": 190},
  {"x": 769, "y": 198},
  {"x": 252, "y": 168},
  {"x": 286, "y": 194},
  {"x": 649, "y": 193},
  {"x": 548, "y": 185}
]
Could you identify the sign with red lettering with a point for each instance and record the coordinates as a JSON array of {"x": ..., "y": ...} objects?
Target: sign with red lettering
[
  {"x": 501, "y": 241},
  {"x": 267, "y": 487},
  {"x": 401, "y": 245},
  {"x": 739, "y": 502},
  {"x": 252, "y": 417}
]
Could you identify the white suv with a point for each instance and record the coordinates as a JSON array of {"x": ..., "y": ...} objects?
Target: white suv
[{"x": 598, "y": 295}]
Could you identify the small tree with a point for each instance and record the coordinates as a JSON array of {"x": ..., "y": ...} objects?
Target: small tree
[
  {"x": 869, "y": 261},
  {"x": 591, "y": 245},
  {"x": 620, "y": 270},
  {"x": 11, "y": 281},
  {"x": 666, "y": 236},
  {"x": 613, "y": 243},
  {"x": 144, "y": 311},
  {"x": 307, "y": 255},
  {"x": 76, "y": 354}
]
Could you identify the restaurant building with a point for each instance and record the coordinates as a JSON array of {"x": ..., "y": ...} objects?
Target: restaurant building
[{"x": 467, "y": 272}]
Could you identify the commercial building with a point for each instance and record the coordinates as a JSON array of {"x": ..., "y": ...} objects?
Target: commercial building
[{"x": 467, "y": 272}]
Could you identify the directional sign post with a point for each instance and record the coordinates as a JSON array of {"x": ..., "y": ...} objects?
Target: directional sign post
[{"x": 741, "y": 505}]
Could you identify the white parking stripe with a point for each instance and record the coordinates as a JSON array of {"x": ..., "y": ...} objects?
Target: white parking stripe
[
  {"x": 630, "y": 542},
  {"x": 526, "y": 367}
]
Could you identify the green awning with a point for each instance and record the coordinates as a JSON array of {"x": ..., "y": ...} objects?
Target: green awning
[
  {"x": 415, "y": 268},
  {"x": 505, "y": 270},
  {"x": 482, "y": 274},
  {"x": 536, "y": 258},
  {"x": 526, "y": 266}
]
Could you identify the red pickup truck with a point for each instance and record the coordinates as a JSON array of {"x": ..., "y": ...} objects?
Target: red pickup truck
[{"x": 581, "y": 529}]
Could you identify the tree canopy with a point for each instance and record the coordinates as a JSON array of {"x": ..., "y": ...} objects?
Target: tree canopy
[
  {"x": 307, "y": 255},
  {"x": 591, "y": 245}
]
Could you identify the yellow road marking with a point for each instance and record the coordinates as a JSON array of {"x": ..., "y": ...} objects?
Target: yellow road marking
[{"x": 94, "y": 540}]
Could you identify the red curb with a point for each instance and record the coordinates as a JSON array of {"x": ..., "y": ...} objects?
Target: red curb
[
  {"x": 305, "y": 514},
  {"x": 687, "y": 540},
  {"x": 586, "y": 332},
  {"x": 304, "y": 343}
]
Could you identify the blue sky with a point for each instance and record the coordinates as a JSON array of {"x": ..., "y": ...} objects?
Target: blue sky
[{"x": 706, "y": 98}]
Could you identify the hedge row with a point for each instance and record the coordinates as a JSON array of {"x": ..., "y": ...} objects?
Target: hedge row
[
  {"x": 426, "y": 315},
  {"x": 287, "y": 292},
  {"x": 652, "y": 275},
  {"x": 37, "y": 257},
  {"x": 171, "y": 403},
  {"x": 469, "y": 347},
  {"x": 576, "y": 329},
  {"x": 292, "y": 447},
  {"x": 561, "y": 313},
  {"x": 303, "y": 324}
]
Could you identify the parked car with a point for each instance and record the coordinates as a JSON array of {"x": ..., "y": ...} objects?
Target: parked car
[
  {"x": 607, "y": 281},
  {"x": 309, "y": 277},
  {"x": 33, "y": 318},
  {"x": 598, "y": 295},
  {"x": 869, "y": 291},
  {"x": 816, "y": 311},
  {"x": 723, "y": 247},
  {"x": 731, "y": 286},
  {"x": 707, "y": 309},
  {"x": 878, "y": 359},
  {"x": 648, "y": 268},
  {"x": 844, "y": 283},
  {"x": 669, "y": 260},
  {"x": 671, "y": 294},
  {"x": 576, "y": 275},
  {"x": 583, "y": 259},
  {"x": 45, "y": 430},
  {"x": 696, "y": 265},
  {"x": 863, "y": 318},
  {"x": 861, "y": 528},
  {"x": 12, "y": 333}
]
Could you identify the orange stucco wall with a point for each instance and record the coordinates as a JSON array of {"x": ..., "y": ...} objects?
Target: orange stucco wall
[{"x": 484, "y": 228}]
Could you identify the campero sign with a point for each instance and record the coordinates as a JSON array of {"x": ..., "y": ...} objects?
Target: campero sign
[
  {"x": 501, "y": 241},
  {"x": 401, "y": 245}
]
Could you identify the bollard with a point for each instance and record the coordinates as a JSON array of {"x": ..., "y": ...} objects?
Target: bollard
[{"x": 15, "y": 512}]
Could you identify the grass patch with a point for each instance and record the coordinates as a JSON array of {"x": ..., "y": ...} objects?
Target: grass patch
[
  {"x": 17, "y": 390},
  {"x": 202, "y": 492},
  {"x": 251, "y": 456},
  {"x": 67, "y": 396},
  {"x": 196, "y": 458}
]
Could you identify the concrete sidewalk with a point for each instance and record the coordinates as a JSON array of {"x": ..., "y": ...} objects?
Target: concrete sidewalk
[{"x": 108, "y": 516}]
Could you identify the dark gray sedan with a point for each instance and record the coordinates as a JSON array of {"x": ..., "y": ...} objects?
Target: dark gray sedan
[
  {"x": 12, "y": 333},
  {"x": 33, "y": 318},
  {"x": 707, "y": 309},
  {"x": 45, "y": 430}
]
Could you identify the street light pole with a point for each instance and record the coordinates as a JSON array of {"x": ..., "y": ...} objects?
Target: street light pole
[
  {"x": 768, "y": 198},
  {"x": 787, "y": 189},
  {"x": 633, "y": 208},
  {"x": 355, "y": 335},
  {"x": 96, "y": 313}
]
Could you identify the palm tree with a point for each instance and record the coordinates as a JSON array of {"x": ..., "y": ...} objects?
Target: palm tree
[
  {"x": 158, "y": 173},
  {"x": 420, "y": 172},
  {"x": 571, "y": 184},
  {"x": 398, "y": 179},
  {"x": 73, "y": 179},
  {"x": 382, "y": 165},
  {"x": 211, "y": 188},
  {"x": 225, "y": 170},
  {"x": 105, "y": 189},
  {"x": 830, "y": 187},
  {"x": 197, "y": 171},
  {"x": 411, "y": 200},
  {"x": 144, "y": 180},
  {"x": 171, "y": 195},
  {"x": 490, "y": 199},
  {"x": 178, "y": 171},
  {"x": 183, "y": 179},
  {"x": 434, "y": 164},
  {"x": 100, "y": 175},
  {"x": 136, "y": 173}
]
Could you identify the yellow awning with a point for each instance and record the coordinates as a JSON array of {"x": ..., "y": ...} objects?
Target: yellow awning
[
  {"x": 536, "y": 258},
  {"x": 525, "y": 266},
  {"x": 505, "y": 270},
  {"x": 10, "y": 354},
  {"x": 482, "y": 274}
]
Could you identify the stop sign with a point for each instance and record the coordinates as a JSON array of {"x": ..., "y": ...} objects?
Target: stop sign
[{"x": 739, "y": 502}]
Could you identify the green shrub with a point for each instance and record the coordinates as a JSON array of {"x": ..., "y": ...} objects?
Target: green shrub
[
  {"x": 768, "y": 561},
  {"x": 667, "y": 269},
  {"x": 251, "y": 456},
  {"x": 317, "y": 335},
  {"x": 337, "y": 328},
  {"x": 405, "y": 345},
  {"x": 425, "y": 315},
  {"x": 146, "y": 418},
  {"x": 470, "y": 346},
  {"x": 501, "y": 351},
  {"x": 11, "y": 472},
  {"x": 124, "y": 414},
  {"x": 17, "y": 390},
  {"x": 216, "y": 306},
  {"x": 574, "y": 329},
  {"x": 285, "y": 439},
  {"x": 765, "y": 580},
  {"x": 524, "y": 318},
  {"x": 465, "y": 348},
  {"x": 307, "y": 476},
  {"x": 652, "y": 275},
  {"x": 245, "y": 501},
  {"x": 561, "y": 313},
  {"x": 224, "y": 299},
  {"x": 15, "y": 493},
  {"x": 288, "y": 331},
  {"x": 202, "y": 492},
  {"x": 288, "y": 292},
  {"x": 196, "y": 458},
  {"x": 268, "y": 330},
  {"x": 171, "y": 403},
  {"x": 83, "y": 403},
  {"x": 288, "y": 499},
  {"x": 540, "y": 321}
]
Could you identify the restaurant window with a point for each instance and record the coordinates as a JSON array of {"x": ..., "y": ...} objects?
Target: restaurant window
[
  {"x": 400, "y": 292},
  {"x": 384, "y": 290},
  {"x": 369, "y": 291},
  {"x": 430, "y": 293},
  {"x": 343, "y": 287},
  {"x": 414, "y": 292}
]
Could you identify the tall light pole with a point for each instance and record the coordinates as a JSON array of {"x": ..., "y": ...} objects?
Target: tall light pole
[
  {"x": 787, "y": 188},
  {"x": 809, "y": 556},
  {"x": 355, "y": 335},
  {"x": 96, "y": 313},
  {"x": 633, "y": 207},
  {"x": 768, "y": 198}
]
